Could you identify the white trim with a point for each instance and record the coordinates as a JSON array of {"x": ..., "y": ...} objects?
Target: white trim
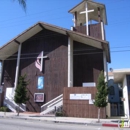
[
  {"x": 125, "y": 96},
  {"x": 74, "y": 20},
  {"x": 102, "y": 30},
  {"x": 70, "y": 62},
  {"x": 107, "y": 69},
  {"x": 41, "y": 62},
  {"x": 104, "y": 55},
  {"x": 87, "y": 19},
  {"x": 2, "y": 65},
  {"x": 105, "y": 66},
  {"x": 17, "y": 67}
]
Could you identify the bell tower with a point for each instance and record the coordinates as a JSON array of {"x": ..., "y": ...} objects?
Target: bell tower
[{"x": 89, "y": 18}]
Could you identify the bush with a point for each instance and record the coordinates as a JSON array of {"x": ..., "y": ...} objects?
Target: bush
[
  {"x": 59, "y": 114},
  {"x": 4, "y": 109}
]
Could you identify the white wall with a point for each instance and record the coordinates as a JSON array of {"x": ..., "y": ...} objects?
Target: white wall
[{"x": 125, "y": 96}]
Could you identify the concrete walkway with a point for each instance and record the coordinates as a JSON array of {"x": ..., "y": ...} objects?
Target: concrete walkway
[{"x": 52, "y": 118}]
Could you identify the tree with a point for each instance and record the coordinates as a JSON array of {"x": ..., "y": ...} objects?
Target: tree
[
  {"x": 21, "y": 92},
  {"x": 101, "y": 95},
  {"x": 22, "y": 3}
]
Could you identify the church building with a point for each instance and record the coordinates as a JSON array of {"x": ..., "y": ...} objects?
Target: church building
[{"x": 62, "y": 65}]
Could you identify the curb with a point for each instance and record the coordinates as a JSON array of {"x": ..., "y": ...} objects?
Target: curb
[
  {"x": 54, "y": 121},
  {"x": 110, "y": 125},
  {"x": 65, "y": 122}
]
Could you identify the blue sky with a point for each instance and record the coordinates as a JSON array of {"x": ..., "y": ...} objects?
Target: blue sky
[{"x": 14, "y": 21}]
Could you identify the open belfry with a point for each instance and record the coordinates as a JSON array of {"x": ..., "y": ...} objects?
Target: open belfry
[{"x": 62, "y": 65}]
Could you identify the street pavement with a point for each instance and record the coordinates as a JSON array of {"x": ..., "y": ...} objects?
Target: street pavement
[
  {"x": 18, "y": 124},
  {"x": 52, "y": 118}
]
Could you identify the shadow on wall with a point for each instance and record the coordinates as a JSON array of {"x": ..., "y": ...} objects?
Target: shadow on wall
[{"x": 31, "y": 105}]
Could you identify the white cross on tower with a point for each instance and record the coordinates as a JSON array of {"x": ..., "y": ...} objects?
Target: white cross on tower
[{"x": 87, "y": 11}]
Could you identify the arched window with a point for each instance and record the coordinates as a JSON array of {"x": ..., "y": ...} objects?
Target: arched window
[{"x": 111, "y": 90}]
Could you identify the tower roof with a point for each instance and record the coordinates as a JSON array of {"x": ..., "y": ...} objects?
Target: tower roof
[{"x": 91, "y": 5}]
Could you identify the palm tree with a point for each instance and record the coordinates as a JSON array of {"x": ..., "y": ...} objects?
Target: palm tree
[{"x": 22, "y": 3}]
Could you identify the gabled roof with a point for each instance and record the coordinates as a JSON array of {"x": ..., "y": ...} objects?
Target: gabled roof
[{"x": 12, "y": 46}]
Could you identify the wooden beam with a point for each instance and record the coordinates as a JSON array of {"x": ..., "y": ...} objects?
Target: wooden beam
[
  {"x": 41, "y": 26},
  {"x": 67, "y": 34},
  {"x": 17, "y": 41},
  {"x": 103, "y": 47},
  {"x": 75, "y": 14},
  {"x": 99, "y": 15}
]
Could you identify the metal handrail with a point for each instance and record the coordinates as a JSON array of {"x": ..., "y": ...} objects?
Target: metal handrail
[
  {"x": 51, "y": 101},
  {"x": 12, "y": 103},
  {"x": 50, "y": 109},
  {"x": 55, "y": 102}
]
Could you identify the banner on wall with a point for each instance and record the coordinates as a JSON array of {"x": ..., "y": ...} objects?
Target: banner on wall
[{"x": 40, "y": 83}]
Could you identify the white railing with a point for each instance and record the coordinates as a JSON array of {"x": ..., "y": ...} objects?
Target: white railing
[
  {"x": 12, "y": 105},
  {"x": 55, "y": 102},
  {"x": 51, "y": 105},
  {"x": 52, "y": 108}
]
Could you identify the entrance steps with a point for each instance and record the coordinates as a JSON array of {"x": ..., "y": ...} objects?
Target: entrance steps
[
  {"x": 13, "y": 106},
  {"x": 52, "y": 106},
  {"x": 9, "y": 101}
]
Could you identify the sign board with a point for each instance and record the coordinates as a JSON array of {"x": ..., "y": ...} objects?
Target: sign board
[
  {"x": 80, "y": 96},
  {"x": 91, "y": 101},
  {"x": 1, "y": 89},
  {"x": 91, "y": 84},
  {"x": 38, "y": 97}
]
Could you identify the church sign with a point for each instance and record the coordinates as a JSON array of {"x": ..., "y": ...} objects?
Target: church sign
[
  {"x": 80, "y": 96},
  {"x": 38, "y": 97}
]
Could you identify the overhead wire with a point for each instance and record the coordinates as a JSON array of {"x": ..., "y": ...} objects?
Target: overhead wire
[
  {"x": 36, "y": 54},
  {"x": 100, "y": 52},
  {"x": 47, "y": 18}
]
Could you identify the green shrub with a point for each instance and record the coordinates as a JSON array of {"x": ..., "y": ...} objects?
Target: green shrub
[
  {"x": 59, "y": 114},
  {"x": 4, "y": 109}
]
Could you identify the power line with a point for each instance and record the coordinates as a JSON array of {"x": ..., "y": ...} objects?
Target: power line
[
  {"x": 120, "y": 47},
  {"x": 48, "y": 17},
  {"x": 34, "y": 57},
  {"x": 121, "y": 51}
]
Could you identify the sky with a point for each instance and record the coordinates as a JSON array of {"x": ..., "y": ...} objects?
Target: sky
[{"x": 14, "y": 20}]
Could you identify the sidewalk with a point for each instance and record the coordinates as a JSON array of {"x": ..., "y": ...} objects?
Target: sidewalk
[{"x": 52, "y": 118}]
